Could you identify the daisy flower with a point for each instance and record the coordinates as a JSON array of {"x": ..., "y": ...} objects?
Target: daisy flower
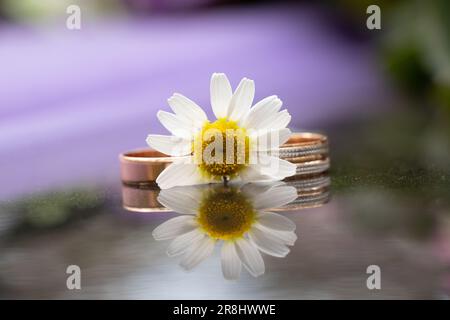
[
  {"x": 235, "y": 218},
  {"x": 251, "y": 132}
]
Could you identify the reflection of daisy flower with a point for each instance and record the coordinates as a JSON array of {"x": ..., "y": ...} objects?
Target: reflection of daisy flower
[
  {"x": 235, "y": 217},
  {"x": 261, "y": 128}
]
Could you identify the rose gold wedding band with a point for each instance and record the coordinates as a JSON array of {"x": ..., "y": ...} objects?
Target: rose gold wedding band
[
  {"x": 142, "y": 166},
  {"x": 302, "y": 159},
  {"x": 298, "y": 139},
  {"x": 313, "y": 167},
  {"x": 302, "y": 147}
]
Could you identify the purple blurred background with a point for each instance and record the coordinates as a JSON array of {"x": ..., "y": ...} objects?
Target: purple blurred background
[{"x": 72, "y": 100}]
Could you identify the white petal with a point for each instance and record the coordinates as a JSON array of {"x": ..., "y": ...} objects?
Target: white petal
[
  {"x": 198, "y": 252},
  {"x": 281, "y": 120},
  {"x": 272, "y": 139},
  {"x": 181, "y": 199},
  {"x": 221, "y": 93},
  {"x": 242, "y": 100},
  {"x": 267, "y": 244},
  {"x": 252, "y": 190},
  {"x": 231, "y": 264},
  {"x": 176, "y": 125},
  {"x": 260, "y": 115},
  {"x": 180, "y": 174},
  {"x": 250, "y": 257},
  {"x": 253, "y": 174},
  {"x": 174, "y": 227},
  {"x": 275, "y": 167},
  {"x": 276, "y": 221},
  {"x": 275, "y": 197},
  {"x": 181, "y": 243},
  {"x": 187, "y": 110},
  {"x": 286, "y": 237},
  {"x": 170, "y": 145}
]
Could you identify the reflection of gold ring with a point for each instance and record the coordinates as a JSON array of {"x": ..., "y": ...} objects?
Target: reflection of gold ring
[
  {"x": 310, "y": 182},
  {"x": 313, "y": 191},
  {"x": 142, "y": 166},
  {"x": 141, "y": 199},
  {"x": 307, "y": 201}
]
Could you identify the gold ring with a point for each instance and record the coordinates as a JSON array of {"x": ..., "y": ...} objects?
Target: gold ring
[
  {"x": 307, "y": 158},
  {"x": 313, "y": 167},
  {"x": 142, "y": 166},
  {"x": 298, "y": 139},
  {"x": 303, "y": 144}
]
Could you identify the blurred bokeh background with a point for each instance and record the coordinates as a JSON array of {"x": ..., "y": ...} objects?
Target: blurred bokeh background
[{"x": 72, "y": 100}]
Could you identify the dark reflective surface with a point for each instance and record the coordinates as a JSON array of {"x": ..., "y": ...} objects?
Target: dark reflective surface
[{"x": 390, "y": 205}]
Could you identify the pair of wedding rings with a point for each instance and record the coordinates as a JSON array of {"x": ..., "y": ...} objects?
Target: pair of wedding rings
[{"x": 309, "y": 151}]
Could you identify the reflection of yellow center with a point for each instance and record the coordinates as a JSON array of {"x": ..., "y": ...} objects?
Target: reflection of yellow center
[
  {"x": 221, "y": 149},
  {"x": 225, "y": 214}
]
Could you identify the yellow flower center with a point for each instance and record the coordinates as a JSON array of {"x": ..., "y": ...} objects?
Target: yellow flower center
[
  {"x": 225, "y": 214},
  {"x": 221, "y": 149}
]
